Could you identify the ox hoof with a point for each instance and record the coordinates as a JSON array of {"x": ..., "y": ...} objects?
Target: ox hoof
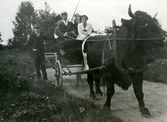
[
  {"x": 99, "y": 92},
  {"x": 145, "y": 112}
]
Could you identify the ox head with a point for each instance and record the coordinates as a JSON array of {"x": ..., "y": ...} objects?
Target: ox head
[
  {"x": 144, "y": 33},
  {"x": 143, "y": 26}
]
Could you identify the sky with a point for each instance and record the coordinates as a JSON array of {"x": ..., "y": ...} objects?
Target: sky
[{"x": 100, "y": 12}]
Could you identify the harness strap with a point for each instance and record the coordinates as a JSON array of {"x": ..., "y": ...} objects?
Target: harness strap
[
  {"x": 115, "y": 49},
  {"x": 116, "y": 53}
]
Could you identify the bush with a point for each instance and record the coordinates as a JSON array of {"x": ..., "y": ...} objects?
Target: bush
[
  {"x": 12, "y": 83},
  {"x": 19, "y": 62},
  {"x": 156, "y": 71}
]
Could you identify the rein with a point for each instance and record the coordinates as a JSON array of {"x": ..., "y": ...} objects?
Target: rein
[{"x": 129, "y": 39}]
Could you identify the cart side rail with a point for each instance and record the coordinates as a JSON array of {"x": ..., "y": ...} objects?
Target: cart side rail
[{"x": 51, "y": 55}]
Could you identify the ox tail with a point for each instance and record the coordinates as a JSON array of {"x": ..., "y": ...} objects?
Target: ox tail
[{"x": 84, "y": 53}]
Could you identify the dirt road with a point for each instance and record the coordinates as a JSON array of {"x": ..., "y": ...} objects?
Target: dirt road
[{"x": 124, "y": 103}]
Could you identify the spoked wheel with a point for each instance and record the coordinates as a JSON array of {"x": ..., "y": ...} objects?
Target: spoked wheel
[{"x": 58, "y": 74}]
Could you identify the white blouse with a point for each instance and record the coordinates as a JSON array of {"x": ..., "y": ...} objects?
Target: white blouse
[{"x": 84, "y": 32}]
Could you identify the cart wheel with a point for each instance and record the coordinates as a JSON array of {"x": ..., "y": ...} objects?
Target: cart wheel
[{"x": 58, "y": 73}]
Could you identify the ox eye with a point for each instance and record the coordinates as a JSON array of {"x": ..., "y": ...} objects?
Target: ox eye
[{"x": 144, "y": 25}]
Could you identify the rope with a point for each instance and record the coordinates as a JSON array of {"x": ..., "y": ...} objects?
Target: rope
[{"x": 129, "y": 39}]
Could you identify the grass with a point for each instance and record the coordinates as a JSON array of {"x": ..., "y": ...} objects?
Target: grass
[{"x": 23, "y": 99}]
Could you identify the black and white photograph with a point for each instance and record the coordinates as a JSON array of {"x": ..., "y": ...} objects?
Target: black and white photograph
[{"x": 83, "y": 61}]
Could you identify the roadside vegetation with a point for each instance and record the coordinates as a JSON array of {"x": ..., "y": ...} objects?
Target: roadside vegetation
[
  {"x": 23, "y": 99},
  {"x": 157, "y": 70}
]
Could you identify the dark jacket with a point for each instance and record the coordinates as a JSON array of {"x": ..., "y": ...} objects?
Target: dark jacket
[
  {"x": 37, "y": 46},
  {"x": 76, "y": 28},
  {"x": 66, "y": 28}
]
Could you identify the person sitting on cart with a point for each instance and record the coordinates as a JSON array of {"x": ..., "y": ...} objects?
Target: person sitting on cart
[
  {"x": 58, "y": 35},
  {"x": 66, "y": 28},
  {"x": 58, "y": 20},
  {"x": 65, "y": 31},
  {"x": 76, "y": 22},
  {"x": 84, "y": 30}
]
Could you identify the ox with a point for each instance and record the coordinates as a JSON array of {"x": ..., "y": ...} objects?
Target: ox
[{"x": 125, "y": 66}]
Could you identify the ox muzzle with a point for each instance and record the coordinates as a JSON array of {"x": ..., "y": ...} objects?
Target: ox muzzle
[{"x": 132, "y": 70}]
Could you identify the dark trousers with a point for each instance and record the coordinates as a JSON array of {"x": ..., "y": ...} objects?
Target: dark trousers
[{"x": 40, "y": 64}]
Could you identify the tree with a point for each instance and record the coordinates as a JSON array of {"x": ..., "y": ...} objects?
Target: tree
[
  {"x": 25, "y": 18},
  {"x": 0, "y": 37},
  {"x": 46, "y": 21},
  {"x": 1, "y": 46}
]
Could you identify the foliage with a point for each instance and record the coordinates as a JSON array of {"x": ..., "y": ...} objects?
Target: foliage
[
  {"x": 0, "y": 37},
  {"x": 26, "y": 18},
  {"x": 46, "y": 21},
  {"x": 156, "y": 71},
  {"x": 18, "y": 62},
  {"x": 22, "y": 25},
  {"x": 8, "y": 83},
  {"x": 2, "y": 47},
  {"x": 23, "y": 99},
  {"x": 108, "y": 30}
]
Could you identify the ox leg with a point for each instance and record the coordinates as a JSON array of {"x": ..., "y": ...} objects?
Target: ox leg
[
  {"x": 110, "y": 93},
  {"x": 97, "y": 82},
  {"x": 90, "y": 82},
  {"x": 137, "y": 86}
]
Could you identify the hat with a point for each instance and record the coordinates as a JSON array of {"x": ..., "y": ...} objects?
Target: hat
[
  {"x": 63, "y": 13},
  {"x": 84, "y": 16},
  {"x": 58, "y": 17}
]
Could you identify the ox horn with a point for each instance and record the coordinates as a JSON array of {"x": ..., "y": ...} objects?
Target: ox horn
[
  {"x": 130, "y": 12},
  {"x": 155, "y": 15}
]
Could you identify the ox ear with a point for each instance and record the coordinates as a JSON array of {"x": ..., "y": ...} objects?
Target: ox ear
[{"x": 127, "y": 23}]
